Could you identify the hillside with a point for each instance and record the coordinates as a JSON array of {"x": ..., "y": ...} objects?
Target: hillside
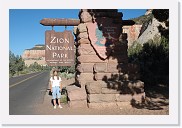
[
  {"x": 135, "y": 31},
  {"x": 35, "y": 54},
  {"x": 142, "y": 19},
  {"x": 155, "y": 23}
]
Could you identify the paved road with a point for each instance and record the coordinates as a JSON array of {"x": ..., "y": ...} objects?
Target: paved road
[
  {"x": 27, "y": 92},
  {"x": 15, "y": 80}
]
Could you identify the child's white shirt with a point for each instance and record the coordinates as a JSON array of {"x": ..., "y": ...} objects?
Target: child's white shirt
[{"x": 55, "y": 82}]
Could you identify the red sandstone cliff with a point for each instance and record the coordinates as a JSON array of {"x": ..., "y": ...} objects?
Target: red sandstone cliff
[{"x": 35, "y": 54}]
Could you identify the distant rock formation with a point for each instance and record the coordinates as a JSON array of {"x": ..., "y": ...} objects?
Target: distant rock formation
[
  {"x": 136, "y": 30},
  {"x": 146, "y": 27},
  {"x": 150, "y": 31},
  {"x": 132, "y": 32},
  {"x": 35, "y": 54},
  {"x": 149, "y": 11}
]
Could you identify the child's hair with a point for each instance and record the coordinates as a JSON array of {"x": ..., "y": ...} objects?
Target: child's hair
[{"x": 53, "y": 75}]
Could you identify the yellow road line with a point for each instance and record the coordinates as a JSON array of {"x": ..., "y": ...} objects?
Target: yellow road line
[{"x": 24, "y": 80}]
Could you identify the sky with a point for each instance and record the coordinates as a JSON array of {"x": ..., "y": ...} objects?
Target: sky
[{"x": 25, "y": 30}]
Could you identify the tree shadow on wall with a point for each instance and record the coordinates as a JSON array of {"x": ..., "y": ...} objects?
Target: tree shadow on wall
[{"x": 152, "y": 67}]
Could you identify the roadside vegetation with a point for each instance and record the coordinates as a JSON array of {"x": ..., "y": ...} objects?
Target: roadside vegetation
[
  {"x": 142, "y": 19},
  {"x": 17, "y": 66},
  {"x": 67, "y": 72}
]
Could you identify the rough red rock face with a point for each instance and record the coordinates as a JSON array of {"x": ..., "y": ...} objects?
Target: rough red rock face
[
  {"x": 132, "y": 32},
  {"x": 33, "y": 54}
]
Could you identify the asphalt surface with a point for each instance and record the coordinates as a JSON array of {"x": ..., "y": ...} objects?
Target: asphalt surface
[
  {"x": 14, "y": 80},
  {"x": 27, "y": 92}
]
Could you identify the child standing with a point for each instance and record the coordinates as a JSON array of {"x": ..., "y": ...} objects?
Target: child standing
[{"x": 55, "y": 86}]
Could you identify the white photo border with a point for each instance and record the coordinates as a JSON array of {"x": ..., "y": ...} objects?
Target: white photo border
[{"x": 171, "y": 119}]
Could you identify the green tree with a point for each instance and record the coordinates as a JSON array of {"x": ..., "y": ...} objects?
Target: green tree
[
  {"x": 162, "y": 15},
  {"x": 12, "y": 63},
  {"x": 20, "y": 64},
  {"x": 16, "y": 64},
  {"x": 153, "y": 59},
  {"x": 134, "y": 52},
  {"x": 37, "y": 67}
]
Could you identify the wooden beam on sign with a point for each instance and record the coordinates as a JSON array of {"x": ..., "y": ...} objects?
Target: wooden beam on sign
[
  {"x": 59, "y": 22},
  {"x": 76, "y": 22}
]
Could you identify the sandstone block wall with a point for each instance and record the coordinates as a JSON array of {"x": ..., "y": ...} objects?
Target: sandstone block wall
[
  {"x": 109, "y": 82},
  {"x": 76, "y": 97},
  {"x": 101, "y": 94}
]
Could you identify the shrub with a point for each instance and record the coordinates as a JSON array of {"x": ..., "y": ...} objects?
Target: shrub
[
  {"x": 64, "y": 99},
  {"x": 67, "y": 75},
  {"x": 134, "y": 52},
  {"x": 153, "y": 59}
]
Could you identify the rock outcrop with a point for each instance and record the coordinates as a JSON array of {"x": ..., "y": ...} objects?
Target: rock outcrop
[
  {"x": 149, "y": 11},
  {"x": 151, "y": 31},
  {"x": 35, "y": 54},
  {"x": 147, "y": 27},
  {"x": 132, "y": 32}
]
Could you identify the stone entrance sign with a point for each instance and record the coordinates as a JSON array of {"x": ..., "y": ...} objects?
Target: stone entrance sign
[
  {"x": 103, "y": 33},
  {"x": 59, "y": 48},
  {"x": 103, "y": 78}
]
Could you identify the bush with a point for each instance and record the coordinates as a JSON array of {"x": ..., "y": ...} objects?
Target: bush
[
  {"x": 24, "y": 72},
  {"x": 153, "y": 59},
  {"x": 16, "y": 64},
  {"x": 70, "y": 75},
  {"x": 67, "y": 75},
  {"x": 134, "y": 52},
  {"x": 67, "y": 69},
  {"x": 64, "y": 99}
]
